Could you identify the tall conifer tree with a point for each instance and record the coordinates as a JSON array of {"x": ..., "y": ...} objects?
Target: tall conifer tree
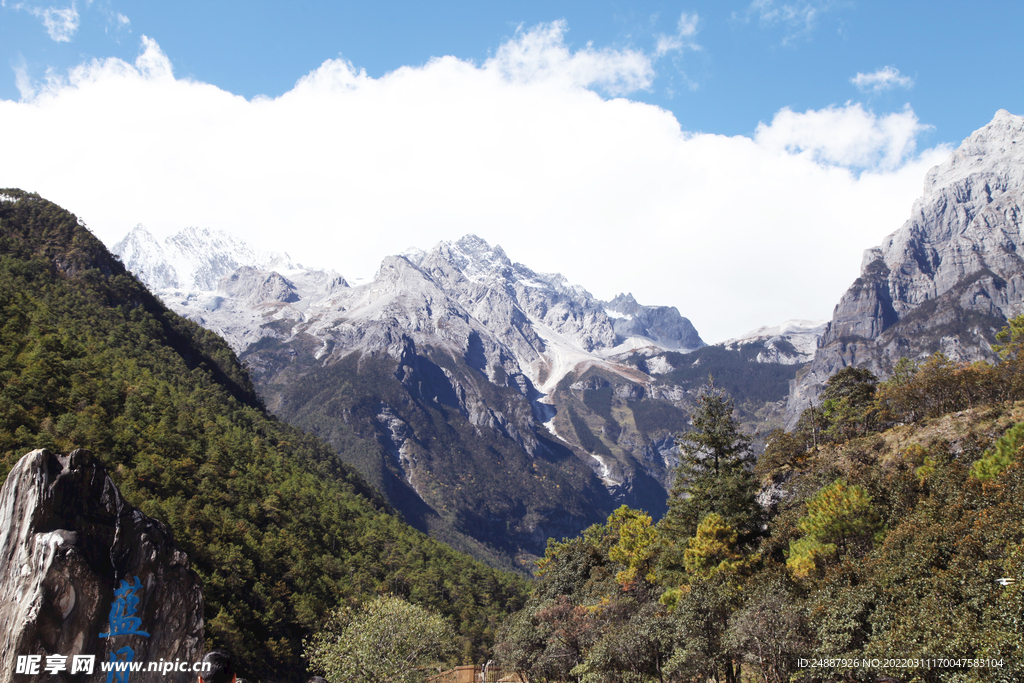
[{"x": 715, "y": 473}]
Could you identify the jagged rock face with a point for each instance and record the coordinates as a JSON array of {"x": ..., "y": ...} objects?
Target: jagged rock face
[
  {"x": 67, "y": 541},
  {"x": 662, "y": 324},
  {"x": 459, "y": 334},
  {"x": 791, "y": 343},
  {"x": 252, "y": 286},
  {"x": 948, "y": 279}
]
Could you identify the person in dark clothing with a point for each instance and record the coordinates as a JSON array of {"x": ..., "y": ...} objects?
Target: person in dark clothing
[{"x": 222, "y": 669}]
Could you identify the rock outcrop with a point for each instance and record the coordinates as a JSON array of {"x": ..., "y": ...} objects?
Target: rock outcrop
[
  {"x": 948, "y": 279},
  {"x": 68, "y": 541},
  {"x": 661, "y": 324},
  {"x": 794, "y": 342}
]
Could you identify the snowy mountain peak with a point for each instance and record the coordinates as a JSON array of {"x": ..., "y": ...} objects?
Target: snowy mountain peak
[
  {"x": 192, "y": 259},
  {"x": 474, "y": 257},
  {"x": 533, "y": 325},
  {"x": 996, "y": 150},
  {"x": 661, "y": 324},
  {"x": 788, "y": 328},
  {"x": 790, "y": 343},
  {"x": 413, "y": 255}
]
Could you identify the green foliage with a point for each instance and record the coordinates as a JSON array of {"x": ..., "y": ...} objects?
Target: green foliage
[
  {"x": 388, "y": 639},
  {"x": 637, "y": 541},
  {"x": 770, "y": 631},
  {"x": 632, "y": 648},
  {"x": 784, "y": 450},
  {"x": 1004, "y": 451},
  {"x": 713, "y": 549},
  {"x": 825, "y": 582},
  {"x": 714, "y": 474},
  {"x": 805, "y": 555},
  {"x": 744, "y": 380},
  {"x": 483, "y": 491},
  {"x": 837, "y": 516},
  {"x": 936, "y": 387},
  {"x": 277, "y": 528},
  {"x": 652, "y": 416},
  {"x": 600, "y": 400},
  {"x": 839, "y": 513},
  {"x": 847, "y": 403},
  {"x": 1010, "y": 347},
  {"x": 701, "y": 614},
  {"x": 587, "y": 440}
]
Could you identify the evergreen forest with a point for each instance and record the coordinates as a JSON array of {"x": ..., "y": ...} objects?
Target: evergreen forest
[
  {"x": 881, "y": 540},
  {"x": 280, "y": 531}
]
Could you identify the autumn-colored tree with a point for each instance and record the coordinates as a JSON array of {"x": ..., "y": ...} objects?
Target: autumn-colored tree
[
  {"x": 713, "y": 549},
  {"x": 837, "y": 516},
  {"x": 636, "y": 545}
]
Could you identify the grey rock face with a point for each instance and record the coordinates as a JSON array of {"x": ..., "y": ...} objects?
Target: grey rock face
[
  {"x": 948, "y": 279},
  {"x": 661, "y": 324},
  {"x": 252, "y": 286},
  {"x": 791, "y": 343},
  {"x": 67, "y": 542},
  {"x": 465, "y": 331}
]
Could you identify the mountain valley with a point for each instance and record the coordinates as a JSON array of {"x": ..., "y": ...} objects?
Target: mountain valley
[
  {"x": 507, "y": 406},
  {"x": 497, "y": 407}
]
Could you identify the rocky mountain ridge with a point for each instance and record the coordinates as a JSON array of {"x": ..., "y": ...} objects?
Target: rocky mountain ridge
[
  {"x": 947, "y": 280},
  {"x": 541, "y": 319},
  {"x": 459, "y": 334},
  {"x": 792, "y": 342}
]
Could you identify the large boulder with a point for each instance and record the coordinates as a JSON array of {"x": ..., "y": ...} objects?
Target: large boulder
[{"x": 68, "y": 543}]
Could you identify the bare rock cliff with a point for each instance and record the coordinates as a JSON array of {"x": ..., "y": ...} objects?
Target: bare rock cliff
[
  {"x": 948, "y": 279},
  {"x": 68, "y": 541}
]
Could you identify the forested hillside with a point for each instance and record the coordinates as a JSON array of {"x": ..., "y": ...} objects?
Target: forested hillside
[
  {"x": 279, "y": 530},
  {"x": 885, "y": 540}
]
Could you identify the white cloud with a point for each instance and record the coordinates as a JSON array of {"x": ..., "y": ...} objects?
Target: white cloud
[
  {"x": 60, "y": 23},
  {"x": 540, "y": 55},
  {"x": 798, "y": 18},
  {"x": 686, "y": 29},
  {"x": 885, "y": 78},
  {"x": 847, "y": 136},
  {"x": 737, "y": 232},
  {"x": 22, "y": 80}
]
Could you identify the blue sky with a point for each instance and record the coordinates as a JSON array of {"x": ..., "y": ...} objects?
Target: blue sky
[
  {"x": 754, "y": 58},
  {"x": 818, "y": 118}
]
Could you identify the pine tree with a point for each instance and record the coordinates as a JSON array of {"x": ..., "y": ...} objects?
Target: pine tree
[
  {"x": 715, "y": 475},
  {"x": 837, "y": 516}
]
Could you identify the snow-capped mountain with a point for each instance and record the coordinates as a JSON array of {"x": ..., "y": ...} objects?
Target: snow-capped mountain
[
  {"x": 790, "y": 343},
  {"x": 195, "y": 259},
  {"x": 945, "y": 281},
  {"x": 462, "y": 364},
  {"x": 534, "y": 325}
]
